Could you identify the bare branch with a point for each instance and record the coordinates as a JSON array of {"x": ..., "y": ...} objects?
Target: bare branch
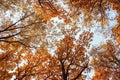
[{"x": 16, "y": 22}]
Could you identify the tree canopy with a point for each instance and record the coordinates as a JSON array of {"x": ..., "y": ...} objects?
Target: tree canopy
[{"x": 56, "y": 39}]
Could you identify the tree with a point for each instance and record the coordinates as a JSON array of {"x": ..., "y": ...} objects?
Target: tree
[
  {"x": 94, "y": 10},
  {"x": 19, "y": 28},
  {"x": 8, "y": 59},
  {"x": 116, "y": 33},
  {"x": 70, "y": 60},
  {"x": 19, "y": 62},
  {"x": 46, "y": 10},
  {"x": 23, "y": 29},
  {"x": 35, "y": 65},
  {"x": 106, "y": 61},
  {"x": 29, "y": 24}
]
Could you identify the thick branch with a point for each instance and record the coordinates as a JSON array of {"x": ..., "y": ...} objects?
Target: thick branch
[
  {"x": 80, "y": 73},
  {"x": 63, "y": 70}
]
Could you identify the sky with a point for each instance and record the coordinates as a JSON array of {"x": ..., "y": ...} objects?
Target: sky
[{"x": 99, "y": 37}]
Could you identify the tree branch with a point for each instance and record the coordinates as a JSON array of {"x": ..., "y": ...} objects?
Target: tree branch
[
  {"x": 16, "y": 22},
  {"x": 80, "y": 73}
]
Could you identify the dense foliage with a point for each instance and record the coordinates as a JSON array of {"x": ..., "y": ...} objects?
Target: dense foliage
[{"x": 53, "y": 39}]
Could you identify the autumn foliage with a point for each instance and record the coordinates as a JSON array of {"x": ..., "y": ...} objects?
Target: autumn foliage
[
  {"x": 55, "y": 39},
  {"x": 116, "y": 33},
  {"x": 106, "y": 61}
]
